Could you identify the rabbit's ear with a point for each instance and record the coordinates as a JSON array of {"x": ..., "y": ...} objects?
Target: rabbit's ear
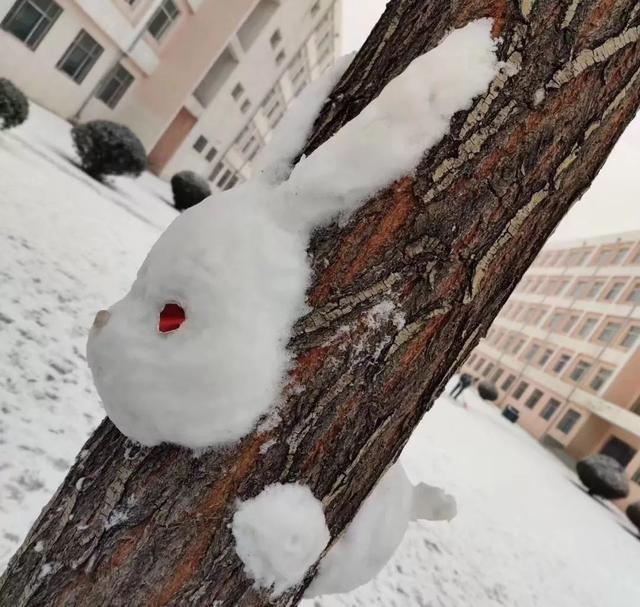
[
  {"x": 387, "y": 139},
  {"x": 275, "y": 162}
]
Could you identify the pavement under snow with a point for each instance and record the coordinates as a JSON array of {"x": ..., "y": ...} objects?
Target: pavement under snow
[{"x": 525, "y": 534}]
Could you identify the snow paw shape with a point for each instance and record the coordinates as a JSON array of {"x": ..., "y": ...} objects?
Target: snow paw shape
[
  {"x": 195, "y": 354},
  {"x": 279, "y": 534}
]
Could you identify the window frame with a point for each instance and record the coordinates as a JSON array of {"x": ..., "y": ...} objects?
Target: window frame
[
  {"x": 47, "y": 16},
  {"x": 170, "y": 19},
  {"x": 568, "y": 421},
  {"x": 90, "y": 59},
  {"x": 121, "y": 88}
]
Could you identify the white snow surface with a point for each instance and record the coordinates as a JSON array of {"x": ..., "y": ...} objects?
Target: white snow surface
[
  {"x": 237, "y": 263},
  {"x": 68, "y": 247},
  {"x": 279, "y": 534},
  {"x": 377, "y": 530}
]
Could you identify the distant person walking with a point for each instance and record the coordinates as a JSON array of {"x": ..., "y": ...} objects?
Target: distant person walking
[{"x": 464, "y": 382}]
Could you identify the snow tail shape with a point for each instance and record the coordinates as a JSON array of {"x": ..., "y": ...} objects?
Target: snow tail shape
[
  {"x": 432, "y": 504},
  {"x": 387, "y": 139}
]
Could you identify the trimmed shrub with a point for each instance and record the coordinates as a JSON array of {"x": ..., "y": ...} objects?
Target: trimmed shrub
[
  {"x": 14, "y": 106},
  {"x": 633, "y": 514},
  {"x": 188, "y": 189},
  {"x": 108, "y": 148},
  {"x": 604, "y": 476},
  {"x": 487, "y": 390}
]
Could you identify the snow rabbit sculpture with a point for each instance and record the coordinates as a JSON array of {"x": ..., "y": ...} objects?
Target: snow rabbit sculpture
[{"x": 196, "y": 353}]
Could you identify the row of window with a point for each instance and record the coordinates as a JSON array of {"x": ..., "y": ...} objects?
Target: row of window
[
  {"x": 613, "y": 331},
  {"x": 30, "y": 20},
  {"x": 583, "y": 372},
  {"x": 608, "y": 255},
  {"x": 608, "y": 290}
]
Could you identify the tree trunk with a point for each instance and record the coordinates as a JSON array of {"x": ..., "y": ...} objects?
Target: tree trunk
[{"x": 136, "y": 526}]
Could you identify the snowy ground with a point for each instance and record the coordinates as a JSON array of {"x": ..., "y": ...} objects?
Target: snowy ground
[
  {"x": 68, "y": 247},
  {"x": 525, "y": 535}
]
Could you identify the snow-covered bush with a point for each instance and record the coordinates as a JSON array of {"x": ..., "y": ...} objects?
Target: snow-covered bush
[
  {"x": 604, "y": 476},
  {"x": 14, "y": 107},
  {"x": 108, "y": 148},
  {"x": 487, "y": 390},
  {"x": 188, "y": 189},
  {"x": 633, "y": 514}
]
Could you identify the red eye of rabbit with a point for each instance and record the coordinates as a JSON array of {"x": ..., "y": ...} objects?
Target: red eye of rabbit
[{"x": 171, "y": 317}]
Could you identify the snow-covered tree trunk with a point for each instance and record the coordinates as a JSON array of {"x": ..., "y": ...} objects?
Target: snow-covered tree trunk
[{"x": 446, "y": 245}]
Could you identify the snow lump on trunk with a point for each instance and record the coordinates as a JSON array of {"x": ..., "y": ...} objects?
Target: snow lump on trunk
[
  {"x": 196, "y": 353},
  {"x": 279, "y": 534}
]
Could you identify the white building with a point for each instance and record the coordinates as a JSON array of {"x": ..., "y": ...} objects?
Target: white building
[{"x": 201, "y": 82}]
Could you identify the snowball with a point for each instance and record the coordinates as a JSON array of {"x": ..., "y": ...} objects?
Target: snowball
[
  {"x": 237, "y": 263},
  {"x": 279, "y": 534},
  {"x": 376, "y": 531}
]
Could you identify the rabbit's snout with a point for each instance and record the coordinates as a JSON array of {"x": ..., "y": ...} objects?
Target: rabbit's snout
[{"x": 101, "y": 319}]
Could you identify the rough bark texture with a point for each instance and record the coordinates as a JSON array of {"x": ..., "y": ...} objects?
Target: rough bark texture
[{"x": 447, "y": 245}]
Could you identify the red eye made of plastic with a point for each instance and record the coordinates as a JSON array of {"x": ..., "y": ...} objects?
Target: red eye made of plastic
[{"x": 171, "y": 317}]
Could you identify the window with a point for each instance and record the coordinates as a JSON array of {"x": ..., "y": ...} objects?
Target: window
[
  {"x": 634, "y": 294},
  {"x": 315, "y": 8},
  {"x": 605, "y": 257},
  {"x": 276, "y": 38},
  {"x": 497, "y": 375},
  {"x": 581, "y": 288},
  {"x": 518, "y": 346},
  {"x": 225, "y": 177},
  {"x": 80, "y": 57},
  {"x": 532, "y": 351},
  {"x": 508, "y": 382},
  {"x": 520, "y": 390},
  {"x": 508, "y": 343},
  {"x": 488, "y": 369},
  {"x": 246, "y": 104},
  {"x": 619, "y": 450},
  {"x": 471, "y": 358},
  {"x": 600, "y": 378},
  {"x": 587, "y": 327},
  {"x": 595, "y": 288},
  {"x": 561, "y": 363},
  {"x": 533, "y": 399},
  {"x": 216, "y": 171},
  {"x": 115, "y": 86},
  {"x": 620, "y": 255},
  {"x": 237, "y": 91},
  {"x": 30, "y": 20},
  {"x": 610, "y": 330},
  {"x": 550, "y": 408},
  {"x": 631, "y": 337},
  {"x": 479, "y": 364},
  {"x": 546, "y": 355},
  {"x": 231, "y": 182},
  {"x": 280, "y": 57},
  {"x": 556, "y": 321},
  {"x": 568, "y": 421},
  {"x": 570, "y": 323},
  {"x": 614, "y": 290},
  {"x": 211, "y": 154},
  {"x": 200, "y": 144},
  {"x": 163, "y": 18},
  {"x": 580, "y": 370}
]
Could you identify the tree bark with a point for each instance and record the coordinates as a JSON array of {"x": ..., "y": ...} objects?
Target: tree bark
[{"x": 447, "y": 244}]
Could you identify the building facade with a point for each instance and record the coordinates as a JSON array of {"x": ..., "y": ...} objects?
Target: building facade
[
  {"x": 565, "y": 351},
  {"x": 201, "y": 82}
]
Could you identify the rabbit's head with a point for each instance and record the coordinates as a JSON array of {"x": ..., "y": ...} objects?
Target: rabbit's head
[{"x": 193, "y": 354}]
